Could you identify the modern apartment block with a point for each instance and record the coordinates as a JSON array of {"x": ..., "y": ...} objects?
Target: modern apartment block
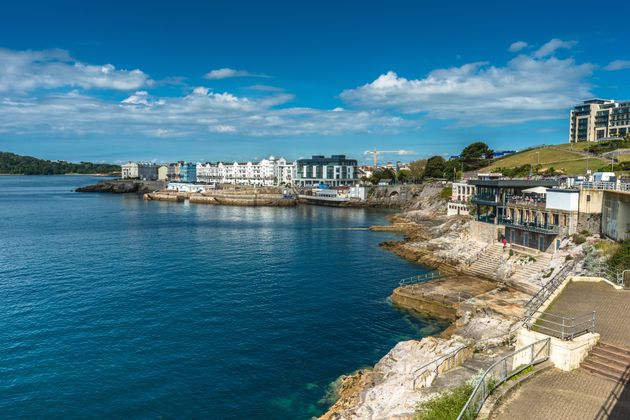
[
  {"x": 335, "y": 171},
  {"x": 598, "y": 119}
]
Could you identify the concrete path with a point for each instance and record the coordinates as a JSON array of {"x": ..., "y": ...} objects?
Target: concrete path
[{"x": 579, "y": 394}]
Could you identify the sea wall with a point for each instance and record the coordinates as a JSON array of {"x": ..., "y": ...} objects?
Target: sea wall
[{"x": 220, "y": 197}]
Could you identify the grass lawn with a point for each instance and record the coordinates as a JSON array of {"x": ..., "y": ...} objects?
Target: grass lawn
[{"x": 571, "y": 162}]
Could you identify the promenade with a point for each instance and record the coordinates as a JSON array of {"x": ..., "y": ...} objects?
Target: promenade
[{"x": 579, "y": 394}]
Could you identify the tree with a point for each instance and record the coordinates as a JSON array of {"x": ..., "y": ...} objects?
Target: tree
[
  {"x": 416, "y": 170},
  {"x": 435, "y": 167},
  {"x": 476, "y": 151},
  {"x": 403, "y": 176}
]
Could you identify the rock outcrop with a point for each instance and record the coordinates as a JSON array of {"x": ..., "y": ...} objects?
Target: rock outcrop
[
  {"x": 123, "y": 186},
  {"x": 388, "y": 390}
]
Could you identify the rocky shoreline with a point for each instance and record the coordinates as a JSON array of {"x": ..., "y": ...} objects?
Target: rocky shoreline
[
  {"x": 483, "y": 312},
  {"x": 121, "y": 186}
]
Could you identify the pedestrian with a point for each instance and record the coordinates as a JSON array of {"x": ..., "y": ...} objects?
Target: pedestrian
[{"x": 504, "y": 244}]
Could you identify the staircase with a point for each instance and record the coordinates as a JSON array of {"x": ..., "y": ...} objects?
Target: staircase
[
  {"x": 610, "y": 361},
  {"x": 522, "y": 277},
  {"x": 487, "y": 263}
]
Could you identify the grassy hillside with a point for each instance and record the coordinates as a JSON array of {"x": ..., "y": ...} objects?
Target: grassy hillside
[
  {"x": 561, "y": 158},
  {"x": 13, "y": 164}
]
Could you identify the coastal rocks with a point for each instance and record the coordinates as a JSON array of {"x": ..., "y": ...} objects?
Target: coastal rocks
[
  {"x": 390, "y": 392},
  {"x": 119, "y": 186}
]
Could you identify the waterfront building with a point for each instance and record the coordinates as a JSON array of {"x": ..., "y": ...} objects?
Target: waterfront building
[
  {"x": 458, "y": 203},
  {"x": 599, "y": 119},
  {"x": 267, "y": 172},
  {"x": 162, "y": 173},
  {"x": 139, "y": 170},
  {"x": 187, "y": 172},
  {"x": 335, "y": 171}
]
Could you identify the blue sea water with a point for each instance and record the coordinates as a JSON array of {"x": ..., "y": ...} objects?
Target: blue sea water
[{"x": 111, "y": 306}]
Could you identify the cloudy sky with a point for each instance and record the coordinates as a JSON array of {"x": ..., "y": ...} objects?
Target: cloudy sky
[{"x": 242, "y": 80}]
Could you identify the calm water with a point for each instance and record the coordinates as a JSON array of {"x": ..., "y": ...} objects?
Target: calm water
[{"x": 116, "y": 307}]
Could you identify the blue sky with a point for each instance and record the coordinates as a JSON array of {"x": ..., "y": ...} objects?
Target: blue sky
[{"x": 195, "y": 80}]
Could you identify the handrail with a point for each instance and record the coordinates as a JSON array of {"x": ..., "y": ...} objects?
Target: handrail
[
  {"x": 499, "y": 373},
  {"x": 563, "y": 327},
  {"x": 420, "y": 278},
  {"x": 438, "y": 362}
]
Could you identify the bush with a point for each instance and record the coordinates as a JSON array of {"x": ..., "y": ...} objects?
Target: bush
[
  {"x": 620, "y": 260},
  {"x": 568, "y": 258},
  {"x": 446, "y": 193},
  {"x": 585, "y": 233},
  {"x": 578, "y": 239},
  {"x": 445, "y": 406}
]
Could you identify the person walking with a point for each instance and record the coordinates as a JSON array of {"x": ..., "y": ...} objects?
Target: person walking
[{"x": 504, "y": 244}]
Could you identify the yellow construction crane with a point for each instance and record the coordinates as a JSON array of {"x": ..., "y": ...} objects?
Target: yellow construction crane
[{"x": 375, "y": 153}]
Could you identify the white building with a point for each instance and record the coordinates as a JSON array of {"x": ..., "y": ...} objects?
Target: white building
[
  {"x": 140, "y": 170},
  {"x": 460, "y": 195},
  {"x": 267, "y": 172}
]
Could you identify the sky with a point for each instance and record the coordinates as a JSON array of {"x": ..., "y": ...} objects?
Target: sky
[{"x": 242, "y": 80}]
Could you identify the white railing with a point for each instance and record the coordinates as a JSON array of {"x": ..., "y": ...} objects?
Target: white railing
[{"x": 611, "y": 186}]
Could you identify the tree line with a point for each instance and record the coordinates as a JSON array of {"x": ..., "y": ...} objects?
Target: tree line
[
  {"x": 13, "y": 164},
  {"x": 474, "y": 156}
]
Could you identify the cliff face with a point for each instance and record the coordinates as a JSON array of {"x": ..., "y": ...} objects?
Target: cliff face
[{"x": 424, "y": 196}]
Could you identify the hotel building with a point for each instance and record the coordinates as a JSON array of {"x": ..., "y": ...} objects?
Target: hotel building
[
  {"x": 267, "y": 172},
  {"x": 599, "y": 119}
]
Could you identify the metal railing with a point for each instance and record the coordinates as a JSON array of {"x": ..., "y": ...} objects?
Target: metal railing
[
  {"x": 425, "y": 370},
  {"x": 562, "y": 327},
  {"x": 611, "y": 186},
  {"x": 547, "y": 290},
  {"x": 503, "y": 370},
  {"x": 421, "y": 278}
]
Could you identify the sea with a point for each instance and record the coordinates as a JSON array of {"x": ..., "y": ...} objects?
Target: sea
[{"x": 115, "y": 307}]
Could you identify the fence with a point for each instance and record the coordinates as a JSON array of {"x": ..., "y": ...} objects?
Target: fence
[
  {"x": 421, "y": 278},
  {"x": 425, "y": 370},
  {"x": 562, "y": 327},
  {"x": 503, "y": 370},
  {"x": 547, "y": 290}
]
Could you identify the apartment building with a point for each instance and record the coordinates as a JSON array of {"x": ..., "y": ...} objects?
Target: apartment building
[
  {"x": 267, "y": 172},
  {"x": 139, "y": 170},
  {"x": 458, "y": 204},
  {"x": 335, "y": 171},
  {"x": 599, "y": 119}
]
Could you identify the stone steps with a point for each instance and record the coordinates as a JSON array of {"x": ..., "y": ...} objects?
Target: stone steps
[{"x": 609, "y": 361}]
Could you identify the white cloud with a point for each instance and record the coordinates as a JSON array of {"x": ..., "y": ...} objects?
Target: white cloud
[
  {"x": 527, "y": 88},
  {"x": 517, "y": 46},
  {"x": 200, "y": 114},
  {"x": 25, "y": 71},
  {"x": 222, "y": 129},
  {"x": 552, "y": 46},
  {"x": 618, "y": 65},
  {"x": 226, "y": 73}
]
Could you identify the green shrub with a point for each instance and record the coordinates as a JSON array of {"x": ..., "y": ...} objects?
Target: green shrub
[
  {"x": 446, "y": 193},
  {"x": 511, "y": 253},
  {"x": 620, "y": 260},
  {"x": 568, "y": 258},
  {"x": 578, "y": 239},
  {"x": 585, "y": 233},
  {"x": 445, "y": 406}
]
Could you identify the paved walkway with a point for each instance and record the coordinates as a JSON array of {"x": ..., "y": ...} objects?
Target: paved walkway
[
  {"x": 574, "y": 395},
  {"x": 579, "y": 394},
  {"x": 612, "y": 309}
]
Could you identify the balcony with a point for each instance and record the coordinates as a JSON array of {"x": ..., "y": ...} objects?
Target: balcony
[
  {"x": 485, "y": 199},
  {"x": 533, "y": 227}
]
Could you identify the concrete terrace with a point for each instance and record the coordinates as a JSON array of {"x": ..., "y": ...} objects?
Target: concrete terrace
[{"x": 579, "y": 394}]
